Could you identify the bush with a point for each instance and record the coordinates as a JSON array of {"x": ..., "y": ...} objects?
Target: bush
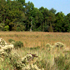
[
  {"x": 18, "y": 44},
  {"x": 59, "y": 44},
  {"x": 19, "y": 26},
  {"x": 2, "y": 43},
  {"x": 48, "y": 45},
  {"x": 11, "y": 40},
  {"x": 6, "y": 28},
  {"x": 14, "y": 61}
]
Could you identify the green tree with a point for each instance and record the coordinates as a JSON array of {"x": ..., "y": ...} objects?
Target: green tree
[
  {"x": 59, "y": 22},
  {"x": 3, "y": 8},
  {"x": 45, "y": 13},
  {"x": 15, "y": 14},
  {"x": 11, "y": 12},
  {"x": 22, "y": 2},
  {"x": 67, "y": 23},
  {"x": 38, "y": 19},
  {"x": 53, "y": 10},
  {"x": 28, "y": 12},
  {"x": 48, "y": 18},
  {"x": 19, "y": 26}
]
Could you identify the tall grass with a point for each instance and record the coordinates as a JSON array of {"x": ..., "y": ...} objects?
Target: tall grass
[
  {"x": 51, "y": 56},
  {"x": 47, "y": 59}
]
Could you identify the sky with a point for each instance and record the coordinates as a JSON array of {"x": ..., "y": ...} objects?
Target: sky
[{"x": 58, "y": 5}]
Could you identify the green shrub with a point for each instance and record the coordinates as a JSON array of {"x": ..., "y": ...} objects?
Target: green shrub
[
  {"x": 48, "y": 45},
  {"x": 18, "y": 44},
  {"x": 6, "y": 28},
  {"x": 11, "y": 40}
]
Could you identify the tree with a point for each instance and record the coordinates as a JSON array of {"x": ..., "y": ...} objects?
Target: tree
[
  {"x": 45, "y": 13},
  {"x": 3, "y": 8},
  {"x": 67, "y": 23},
  {"x": 48, "y": 18},
  {"x": 28, "y": 12},
  {"x": 37, "y": 19},
  {"x": 18, "y": 16},
  {"x": 22, "y": 2},
  {"x": 53, "y": 10},
  {"x": 15, "y": 14},
  {"x": 59, "y": 22}
]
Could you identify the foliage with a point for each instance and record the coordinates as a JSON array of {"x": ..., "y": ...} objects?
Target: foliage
[
  {"x": 17, "y": 15},
  {"x": 59, "y": 44},
  {"x": 6, "y": 28},
  {"x": 61, "y": 62},
  {"x": 2, "y": 25},
  {"x": 50, "y": 29},
  {"x": 18, "y": 44},
  {"x": 31, "y": 59},
  {"x": 48, "y": 45},
  {"x": 11, "y": 40}
]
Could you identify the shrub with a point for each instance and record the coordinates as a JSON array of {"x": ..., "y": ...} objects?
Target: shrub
[
  {"x": 6, "y": 28},
  {"x": 11, "y": 40},
  {"x": 59, "y": 44},
  {"x": 8, "y": 48},
  {"x": 2, "y": 43},
  {"x": 48, "y": 45},
  {"x": 18, "y": 44},
  {"x": 14, "y": 60},
  {"x": 19, "y": 26},
  {"x": 26, "y": 59}
]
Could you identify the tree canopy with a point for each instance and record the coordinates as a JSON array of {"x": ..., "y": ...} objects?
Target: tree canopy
[{"x": 16, "y": 15}]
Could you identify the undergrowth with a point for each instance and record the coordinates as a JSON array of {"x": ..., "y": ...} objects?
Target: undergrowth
[{"x": 51, "y": 57}]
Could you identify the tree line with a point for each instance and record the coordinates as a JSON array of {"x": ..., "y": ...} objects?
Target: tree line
[{"x": 17, "y": 15}]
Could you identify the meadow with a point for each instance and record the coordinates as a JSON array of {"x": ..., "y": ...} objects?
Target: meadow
[
  {"x": 50, "y": 57},
  {"x": 34, "y": 39}
]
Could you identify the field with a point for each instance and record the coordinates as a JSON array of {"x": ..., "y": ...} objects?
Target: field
[
  {"x": 34, "y": 39},
  {"x": 50, "y": 57}
]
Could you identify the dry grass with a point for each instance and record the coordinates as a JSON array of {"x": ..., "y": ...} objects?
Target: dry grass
[
  {"x": 34, "y": 39},
  {"x": 47, "y": 58}
]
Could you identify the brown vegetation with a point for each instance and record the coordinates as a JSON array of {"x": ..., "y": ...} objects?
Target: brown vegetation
[{"x": 34, "y": 39}]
